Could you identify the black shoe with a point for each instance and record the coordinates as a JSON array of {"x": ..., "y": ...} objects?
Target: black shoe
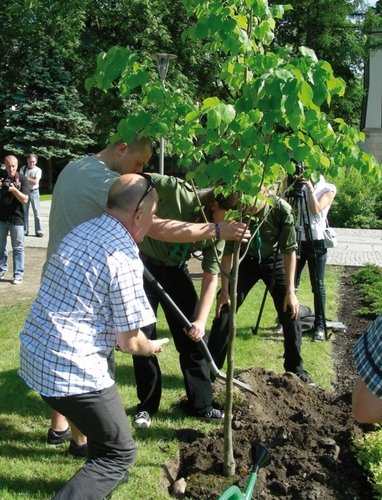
[
  {"x": 77, "y": 451},
  {"x": 213, "y": 415},
  {"x": 58, "y": 437},
  {"x": 39, "y": 235},
  {"x": 305, "y": 377}
]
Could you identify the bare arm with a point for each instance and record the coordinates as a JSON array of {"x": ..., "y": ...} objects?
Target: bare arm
[
  {"x": 207, "y": 295},
  {"x": 136, "y": 342},
  {"x": 318, "y": 205},
  {"x": 290, "y": 299},
  {"x": 366, "y": 406},
  {"x": 21, "y": 197},
  {"x": 33, "y": 181},
  {"x": 174, "y": 231}
]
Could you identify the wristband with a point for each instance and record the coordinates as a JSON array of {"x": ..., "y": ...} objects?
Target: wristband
[{"x": 217, "y": 231}]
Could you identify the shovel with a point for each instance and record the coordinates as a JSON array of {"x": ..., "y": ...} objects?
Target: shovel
[
  {"x": 183, "y": 319},
  {"x": 260, "y": 458}
]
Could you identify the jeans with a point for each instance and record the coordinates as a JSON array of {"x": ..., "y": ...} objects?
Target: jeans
[
  {"x": 196, "y": 373},
  {"x": 315, "y": 254},
  {"x": 34, "y": 200},
  {"x": 17, "y": 241},
  {"x": 250, "y": 272},
  {"x": 99, "y": 415}
]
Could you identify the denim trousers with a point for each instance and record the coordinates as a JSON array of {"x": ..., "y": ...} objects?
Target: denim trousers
[
  {"x": 177, "y": 282},
  {"x": 99, "y": 415},
  {"x": 17, "y": 242},
  {"x": 315, "y": 254},
  {"x": 34, "y": 201},
  {"x": 250, "y": 272}
]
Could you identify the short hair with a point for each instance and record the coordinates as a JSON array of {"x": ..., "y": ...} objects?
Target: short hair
[
  {"x": 207, "y": 198},
  {"x": 32, "y": 155},
  {"x": 137, "y": 143}
]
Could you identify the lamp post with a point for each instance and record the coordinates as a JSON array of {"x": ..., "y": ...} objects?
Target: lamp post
[{"x": 163, "y": 61}]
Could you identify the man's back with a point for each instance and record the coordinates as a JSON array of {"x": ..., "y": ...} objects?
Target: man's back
[{"x": 80, "y": 194}]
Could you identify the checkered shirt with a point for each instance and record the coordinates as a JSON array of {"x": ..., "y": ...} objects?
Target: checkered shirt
[
  {"x": 92, "y": 288},
  {"x": 367, "y": 355}
]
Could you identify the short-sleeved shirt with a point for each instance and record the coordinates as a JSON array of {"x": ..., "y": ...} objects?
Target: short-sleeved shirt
[
  {"x": 276, "y": 227},
  {"x": 11, "y": 209},
  {"x": 80, "y": 194},
  {"x": 177, "y": 200},
  {"x": 92, "y": 288},
  {"x": 367, "y": 354},
  {"x": 32, "y": 173}
]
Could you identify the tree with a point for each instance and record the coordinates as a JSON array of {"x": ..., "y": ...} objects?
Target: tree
[
  {"x": 271, "y": 116},
  {"x": 44, "y": 117}
]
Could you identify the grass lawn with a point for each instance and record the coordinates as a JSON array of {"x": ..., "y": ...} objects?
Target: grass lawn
[{"x": 30, "y": 469}]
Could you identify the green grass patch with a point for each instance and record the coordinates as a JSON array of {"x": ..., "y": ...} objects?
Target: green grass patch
[{"x": 31, "y": 469}]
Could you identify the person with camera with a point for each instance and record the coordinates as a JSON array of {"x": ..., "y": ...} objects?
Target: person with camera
[
  {"x": 13, "y": 195},
  {"x": 271, "y": 257},
  {"x": 33, "y": 174},
  {"x": 318, "y": 198}
]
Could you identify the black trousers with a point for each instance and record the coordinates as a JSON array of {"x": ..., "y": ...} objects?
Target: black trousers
[
  {"x": 177, "y": 282},
  {"x": 250, "y": 272},
  {"x": 101, "y": 416},
  {"x": 315, "y": 254}
]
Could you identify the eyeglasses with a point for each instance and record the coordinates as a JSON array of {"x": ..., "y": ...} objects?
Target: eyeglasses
[{"x": 149, "y": 188}]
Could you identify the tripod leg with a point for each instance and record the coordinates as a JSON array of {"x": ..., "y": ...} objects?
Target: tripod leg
[{"x": 256, "y": 327}]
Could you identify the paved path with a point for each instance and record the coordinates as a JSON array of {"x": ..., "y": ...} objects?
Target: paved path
[{"x": 356, "y": 247}]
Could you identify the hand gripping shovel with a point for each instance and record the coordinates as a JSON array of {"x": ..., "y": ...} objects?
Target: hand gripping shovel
[
  {"x": 165, "y": 296},
  {"x": 260, "y": 458}
]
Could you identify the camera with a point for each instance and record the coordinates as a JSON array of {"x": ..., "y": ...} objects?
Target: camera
[
  {"x": 7, "y": 183},
  {"x": 295, "y": 181}
]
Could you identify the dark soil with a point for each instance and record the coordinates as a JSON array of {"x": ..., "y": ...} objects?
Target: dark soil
[{"x": 308, "y": 431}]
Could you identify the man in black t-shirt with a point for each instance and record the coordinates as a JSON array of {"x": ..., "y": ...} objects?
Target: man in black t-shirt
[{"x": 13, "y": 195}]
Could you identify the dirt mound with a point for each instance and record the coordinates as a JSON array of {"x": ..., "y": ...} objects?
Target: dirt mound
[{"x": 308, "y": 431}]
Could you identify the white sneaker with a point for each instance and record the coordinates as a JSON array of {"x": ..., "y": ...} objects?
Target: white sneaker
[
  {"x": 17, "y": 281},
  {"x": 142, "y": 420},
  {"x": 2, "y": 274}
]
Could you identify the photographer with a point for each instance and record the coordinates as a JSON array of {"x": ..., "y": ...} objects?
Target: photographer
[
  {"x": 13, "y": 195},
  {"x": 318, "y": 198}
]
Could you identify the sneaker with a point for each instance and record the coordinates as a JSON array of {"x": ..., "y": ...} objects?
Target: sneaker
[
  {"x": 2, "y": 274},
  {"x": 213, "y": 414},
  {"x": 278, "y": 330},
  {"x": 318, "y": 335},
  {"x": 17, "y": 281},
  {"x": 58, "y": 437},
  {"x": 39, "y": 235},
  {"x": 142, "y": 420},
  {"x": 77, "y": 451}
]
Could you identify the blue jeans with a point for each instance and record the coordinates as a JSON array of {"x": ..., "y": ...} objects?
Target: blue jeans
[
  {"x": 315, "y": 254},
  {"x": 99, "y": 415},
  {"x": 34, "y": 200},
  {"x": 17, "y": 241}
]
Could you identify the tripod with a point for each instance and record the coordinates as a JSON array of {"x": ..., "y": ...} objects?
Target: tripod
[{"x": 297, "y": 199}]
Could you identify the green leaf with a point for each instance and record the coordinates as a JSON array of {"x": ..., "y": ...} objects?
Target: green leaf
[
  {"x": 213, "y": 118},
  {"x": 227, "y": 113}
]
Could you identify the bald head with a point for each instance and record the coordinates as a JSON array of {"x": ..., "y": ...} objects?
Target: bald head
[{"x": 127, "y": 192}]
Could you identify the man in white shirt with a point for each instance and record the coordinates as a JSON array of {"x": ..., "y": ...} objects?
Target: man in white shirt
[{"x": 33, "y": 175}]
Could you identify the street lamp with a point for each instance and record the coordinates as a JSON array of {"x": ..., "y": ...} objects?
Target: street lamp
[{"x": 163, "y": 61}]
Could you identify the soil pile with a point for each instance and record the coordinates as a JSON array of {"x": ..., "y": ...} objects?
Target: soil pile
[{"x": 308, "y": 431}]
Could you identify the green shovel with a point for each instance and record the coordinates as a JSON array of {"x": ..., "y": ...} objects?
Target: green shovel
[{"x": 260, "y": 458}]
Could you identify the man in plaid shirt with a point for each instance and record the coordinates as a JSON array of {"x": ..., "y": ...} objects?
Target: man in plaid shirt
[{"x": 91, "y": 300}]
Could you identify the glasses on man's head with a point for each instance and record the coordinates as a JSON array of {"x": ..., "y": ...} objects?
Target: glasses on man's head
[{"x": 150, "y": 186}]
